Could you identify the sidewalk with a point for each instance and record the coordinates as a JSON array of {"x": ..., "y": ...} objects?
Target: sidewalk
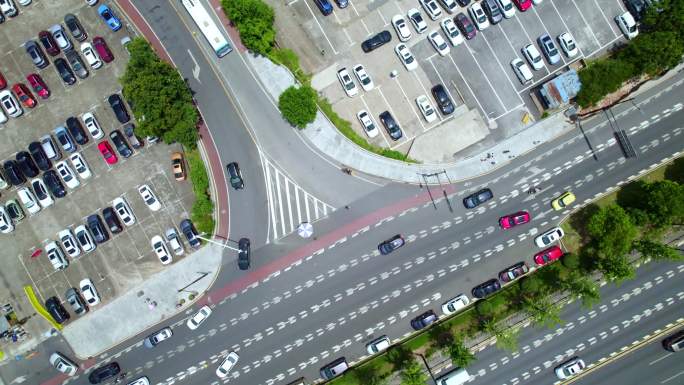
[
  {"x": 145, "y": 305},
  {"x": 327, "y": 139}
]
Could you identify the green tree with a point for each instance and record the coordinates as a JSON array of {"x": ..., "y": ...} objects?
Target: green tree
[
  {"x": 370, "y": 374},
  {"x": 159, "y": 97},
  {"x": 413, "y": 374},
  {"x": 571, "y": 261},
  {"x": 399, "y": 356},
  {"x": 254, "y": 21},
  {"x": 542, "y": 311},
  {"x": 657, "y": 251},
  {"x": 298, "y": 105},
  {"x": 583, "y": 287},
  {"x": 616, "y": 268},
  {"x": 664, "y": 202},
  {"x": 441, "y": 336},
  {"x": 602, "y": 77},
  {"x": 654, "y": 52},
  {"x": 506, "y": 338},
  {"x": 612, "y": 231},
  {"x": 460, "y": 355}
]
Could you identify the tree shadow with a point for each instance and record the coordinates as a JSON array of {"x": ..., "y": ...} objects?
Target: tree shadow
[
  {"x": 579, "y": 221},
  {"x": 441, "y": 336},
  {"x": 399, "y": 356},
  {"x": 631, "y": 196},
  {"x": 675, "y": 171}
]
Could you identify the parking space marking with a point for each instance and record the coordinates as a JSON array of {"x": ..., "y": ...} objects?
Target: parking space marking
[
  {"x": 399, "y": 8},
  {"x": 505, "y": 35},
  {"x": 509, "y": 111},
  {"x": 321, "y": 27},
  {"x": 612, "y": 27},
  {"x": 465, "y": 80},
  {"x": 484, "y": 74},
  {"x": 504, "y": 70},
  {"x": 413, "y": 108},
  {"x": 549, "y": 34},
  {"x": 568, "y": 28},
  {"x": 529, "y": 39},
  {"x": 442, "y": 82},
  {"x": 389, "y": 107},
  {"x": 372, "y": 114},
  {"x": 591, "y": 30},
  {"x": 384, "y": 22}
]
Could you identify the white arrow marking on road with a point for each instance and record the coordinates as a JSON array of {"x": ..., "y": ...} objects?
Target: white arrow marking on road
[{"x": 196, "y": 68}]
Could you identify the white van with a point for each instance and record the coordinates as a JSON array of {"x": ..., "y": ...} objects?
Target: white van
[
  {"x": 522, "y": 71},
  {"x": 457, "y": 376}
]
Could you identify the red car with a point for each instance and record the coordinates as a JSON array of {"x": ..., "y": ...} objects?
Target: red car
[
  {"x": 511, "y": 220},
  {"x": 549, "y": 255},
  {"x": 3, "y": 82},
  {"x": 107, "y": 152},
  {"x": 523, "y": 5},
  {"x": 24, "y": 95},
  {"x": 49, "y": 43},
  {"x": 38, "y": 85},
  {"x": 102, "y": 49}
]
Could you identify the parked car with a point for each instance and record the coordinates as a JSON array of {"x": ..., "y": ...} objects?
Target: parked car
[
  {"x": 112, "y": 220},
  {"x": 228, "y": 363},
  {"x": 65, "y": 71},
  {"x": 107, "y": 152},
  {"x": 42, "y": 194},
  {"x": 569, "y": 368},
  {"x": 39, "y": 156},
  {"x": 178, "y": 166},
  {"x": 124, "y": 211},
  {"x": 449, "y": 5},
  {"x": 334, "y": 369},
  {"x": 391, "y": 125},
  {"x": 130, "y": 134},
  {"x": 64, "y": 139},
  {"x": 92, "y": 125},
  {"x": 55, "y": 185},
  {"x": 324, "y": 6},
  {"x": 120, "y": 143},
  {"x": 38, "y": 85},
  {"x": 196, "y": 320},
  {"x": 451, "y": 31},
  {"x": 637, "y": 8},
  {"x": 426, "y": 108},
  {"x": 91, "y": 56},
  {"x": 56, "y": 256},
  {"x": 63, "y": 364},
  {"x": 77, "y": 64},
  {"x": 563, "y": 201},
  {"x": 96, "y": 228},
  {"x": 69, "y": 245},
  {"x": 105, "y": 372},
  {"x": 486, "y": 288},
  {"x": 28, "y": 200},
  {"x": 627, "y": 25},
  {"x": 56, "y": 310},
  {"x": 417, "y": 20},
  {"x": 149, "y": 197},
  {"x": 347, "y": 82},
  {"x": 174, "y": 241},
  {"x": 60, "y": 37},
  {"x": 549, "y": 236},
  {"x": 367, "y": 124},
  {"x": 10, "y": 104},
  {"x": 523, "y": 5},
  {"x": 24, "y": 95},
  {"x": 548, "y": 255},
  {"x": 446, "y": 106},
  {"x": 438, "y": 43},
  {"x": 36, "y": 54},
  {"x": 157, "y": 337},
  {"x": 363, "y": 77},
  {"x": 118, "y": 107},
  {"x": 549, "y": 48},
  {"x": 465, "y": 25},
  {"x": 475, "y": 199},
  {"x": 48, "y": 43},
  {"x": 15, "y": 212},
  {"x": 67, "y": 174},
  {"x": 6, "y": 224},
  {"x": 424, "y": 320},
  {"x": 13, "y": 173},
  {"x": 160, "y": 249},
  {"x": 491, "y": 8},
  {"x": 188, "y": 229},
  {"x": 567, "y": 44},
  {"x": 455, "y": 304},
  {"x": 3, "y": 82},
  {"x": 378, "y": 345},
  {"x": 74, "y": 26},
  {"x": 80, "y": 165},
  {"x": 376, "y": 41},
  {"x": 235, "y": 176},
  {"x": 400, "y": 26},
  {"x": 522, "y": 71},
  {"x": 507, "y": 8},
  {"x": 102, "y": 49},
  {"x": 77, "y": 303},
  {"x": 479, "y": 17},
  {"x": 85, "y": 239},
  {"x": 26, "y": 164},
  {"x": 109, "y": 17},
  {"x": 243, "y": 254},
  {"x": 533, "y": 56},
  {"x": 8, "y": 8},
  {"x": 391, "y": 244},
  {"x": 515, "y": 219},
  {"x": 76, "y": 130},
  {"x": 431, "y": 8},
  {"x": 513, "y": 272}
]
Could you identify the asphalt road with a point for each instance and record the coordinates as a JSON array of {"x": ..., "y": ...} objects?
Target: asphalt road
[{"x": 294, "y": 319}]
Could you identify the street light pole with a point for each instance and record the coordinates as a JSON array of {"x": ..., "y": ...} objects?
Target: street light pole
[
  {"x": 427, "y": 366},
  {"x": 217, "y": 243}
]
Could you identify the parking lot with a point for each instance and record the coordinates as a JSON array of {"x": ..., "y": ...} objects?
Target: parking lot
[
  {"x": 127, "y": 258},
  {"x": 477, "y": 73}
]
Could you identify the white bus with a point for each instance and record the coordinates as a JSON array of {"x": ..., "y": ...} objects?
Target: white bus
[{"x": 208, "y": 27}]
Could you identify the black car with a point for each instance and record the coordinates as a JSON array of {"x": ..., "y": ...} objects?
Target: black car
[
  {"x": 112, "y": 220},
  {"x": 637, "y": 8},
  {"x": 39, "y": 156},
  {"x": 75, "y": 28},
  {"x": 484, "y": 289},
  {"x": 235, "y": 176},
  {"x": 76, "y": 301},
  {"x": 65, "y": 71},
  {"x": 424, "y": 320},
  {"x": 391, "y": 244},
  {"x": 55, "y": 185},
  {"x": 76, "y": 130},
  {"x": 104, "y": 373},
  {"x": 243, "y": 254},
  {"x": 56, "y": 310},
  {"x": 27, "y": 165},
  {"x": 97, "y": 229},
  {"x": 478, "y": 198},
  {"x": 463, "y": 3},
  {"x": 129, "y": 130},
  {"x": 513, "y": 272},
  {"x": 342, "y": 3},
  {"x": 391, "y": 125},
  {"x": 77, "y": 63},
  {"x": 14, "y": 211},
  {"x": 376, "y": 41},
  {"x": 443, "y": 100},
  {"x": 36, "y": 54},
  {"x": 117, "y": 105},
  {"x": 190, "y": 233},
  {"x": 13, "y": 173},
  {"x": 40, "y": 189},
  {"x": 120, "y": 143}
]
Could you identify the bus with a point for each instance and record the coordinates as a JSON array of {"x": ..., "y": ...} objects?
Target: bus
[{"x": 207, "y": 27}]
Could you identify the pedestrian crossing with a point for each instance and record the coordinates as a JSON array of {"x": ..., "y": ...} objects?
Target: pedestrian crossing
[{"x": 288, "y": 203}]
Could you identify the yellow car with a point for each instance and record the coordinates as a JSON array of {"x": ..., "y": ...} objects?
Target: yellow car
[{"x": 563, "y": 201}]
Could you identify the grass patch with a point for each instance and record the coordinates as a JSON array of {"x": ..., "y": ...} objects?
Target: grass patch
[{"x": 203, "y": 208}]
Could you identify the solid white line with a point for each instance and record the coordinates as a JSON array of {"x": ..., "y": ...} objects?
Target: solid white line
[
  {"x": 468, "y": 85},
  {"x": 382, "y": 133},
  {"x": 548, "y": 33},
  {"x": 321, "y": 27},
  {"x": 389, "y": 108},
  {"x": 502, "y": 68},
  {"x": 289, "y": 203},
  {"x": 315, "y": 202},
  {"x": 598, "y": 43},
  {"x": 413, "y": 108},
  {"x": 306, "y": 205},
  {"x": 280, "y": 202},
  {"x": 271, "y": 207},
  {"x": 581, "y": 53},
  {"x": 299, "y": 211},
  {"x": 484, "y": 74},
  {"x": 446, "y": 87},
  {"x": 611, "y": 25},
  {"x": 524, "y": 30}
]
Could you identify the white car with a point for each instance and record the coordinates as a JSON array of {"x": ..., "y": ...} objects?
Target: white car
[
  {"x": 123, "y": 210},
  {"x": 406, "y": 57},
  {"x": 537, "y": 2},
  {"x": 66, "y": 238},
  {"x": 507, "y": 8},
  {"x": 3, "y": 118},
  {"x": 455, "y": 304},
  {"x": 533, "y": 56},
  {"x": 227, "y": 364},
  {"x": 449, "y": 5},
  {"x": 369, "y": 127},
  {"x": 426, "y": 108},
  {"x": 627, "y": 25},
  {"x": 149, "y": 197},
  {"x": 431, "y": 8},
  {"x": 92, "y": 125},
  {"x": 88, "y": 291},
  {"x": 451, "y": 31},
  {"x": 479, "y": 16},
  {"x": 3, "y": 183},
  {"x": 568, "y": 45},
  {"x": 196, "y": 320},
  {"x": 522, "y": 70},
  {"x": 44, "y": 198},
  {"x": 84, "y": 238},
  {"x": 403, "y": 31},
  {"x": 91, "y": 56},
  {"x": 417, "y": 20},
  {"x": 56, "y": 256},
  {"x": 347, "y": 82},
  {"x": 378, "y": 345},
  {"x": 159, "y": 246},
  {"x": 67, "y": 174},
  {"x": 174, "y": 241},
  {"x": 10, "y": 104},
  {"x": 24, "y": 2},
  {"x": 549, "y": 236},
  {"x": 63, "y": 364},
  {"x": 6, "y": 225},
  {"x": 60, "y": 37},
  {"x": 569, "y": 368},
  {"x": 28, "y": 200},
  {"x": 140, "y": 380},
  {"x": 91, "y": 2},
  {"x": 8, "y": 8},
  {"x": 80, "y": 165},
  {"x": 365, "y": 80},
  {"x": 439, "y": 43}
]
